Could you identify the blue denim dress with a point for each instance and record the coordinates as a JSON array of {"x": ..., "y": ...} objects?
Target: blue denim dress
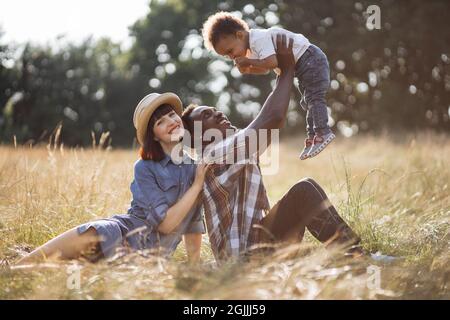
[{"x": 156, "y": 187}]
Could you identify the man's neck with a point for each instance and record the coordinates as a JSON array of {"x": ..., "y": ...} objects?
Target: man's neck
[{"x": 225, "y": 135}]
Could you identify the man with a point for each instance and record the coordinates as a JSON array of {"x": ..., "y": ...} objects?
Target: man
[{"x": 234, "y": 197}]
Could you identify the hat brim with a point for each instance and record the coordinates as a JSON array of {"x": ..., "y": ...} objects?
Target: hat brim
[{"x": 164, "y": 98}]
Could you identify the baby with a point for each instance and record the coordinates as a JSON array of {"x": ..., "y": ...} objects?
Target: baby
[{"x": 253, "y": 51}]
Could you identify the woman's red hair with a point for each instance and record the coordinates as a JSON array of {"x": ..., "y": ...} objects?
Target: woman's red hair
[{"x": 152, "y": 150}]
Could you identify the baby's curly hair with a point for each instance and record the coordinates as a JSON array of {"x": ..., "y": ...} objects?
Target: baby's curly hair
[{"x": 219, "y": 24}]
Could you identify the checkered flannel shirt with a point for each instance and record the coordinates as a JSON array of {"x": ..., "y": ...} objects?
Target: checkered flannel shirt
[{"x": 234, "y": 196}]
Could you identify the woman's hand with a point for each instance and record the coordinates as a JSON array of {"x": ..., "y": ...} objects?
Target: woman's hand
[{"x": 200, "y": 174}]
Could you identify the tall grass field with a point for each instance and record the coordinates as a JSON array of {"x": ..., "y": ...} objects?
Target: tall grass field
[{"x": 393, "y": 190}]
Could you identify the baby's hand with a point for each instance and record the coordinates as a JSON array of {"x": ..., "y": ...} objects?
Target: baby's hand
[
  {"x": 242, "y": 62},
  {"x": 243, "y": 70}
]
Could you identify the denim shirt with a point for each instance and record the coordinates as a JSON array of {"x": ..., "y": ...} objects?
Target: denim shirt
[{"x": 156, "y": 187}]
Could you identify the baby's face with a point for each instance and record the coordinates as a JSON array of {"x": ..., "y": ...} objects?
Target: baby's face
[{"x": 231, "y": 46}]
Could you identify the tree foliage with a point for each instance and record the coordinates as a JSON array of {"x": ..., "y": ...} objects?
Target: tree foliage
[{"x": 396, "y": 77}]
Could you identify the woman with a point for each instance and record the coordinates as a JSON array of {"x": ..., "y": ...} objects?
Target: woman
[{"x": 165, "y": 195}]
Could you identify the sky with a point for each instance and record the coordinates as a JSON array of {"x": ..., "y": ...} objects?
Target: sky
[{"x": 41, "y": 21}]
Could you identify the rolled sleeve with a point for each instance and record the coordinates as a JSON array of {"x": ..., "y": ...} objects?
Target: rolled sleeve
[
  {"x": 197, "y": 224},
  {"x": 148, "y": 196},
  {"x": 156, "y": 215}
]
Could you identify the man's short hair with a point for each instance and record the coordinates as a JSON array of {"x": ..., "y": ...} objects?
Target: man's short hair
[
  {"x": 185, "y": 116},
  {"x": 187, "y": 121},
  {"x": 220, "y": 24}
]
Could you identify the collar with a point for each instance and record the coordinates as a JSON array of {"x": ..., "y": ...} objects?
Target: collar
[
  {"x": 165, "y": 160},
  {"x": 186, "y": 159}
]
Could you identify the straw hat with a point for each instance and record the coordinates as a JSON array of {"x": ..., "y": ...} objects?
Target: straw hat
[{"x": 147, "y": 106}]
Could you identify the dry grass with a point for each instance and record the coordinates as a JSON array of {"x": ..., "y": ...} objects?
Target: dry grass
[{"x": 395, "y": 193}]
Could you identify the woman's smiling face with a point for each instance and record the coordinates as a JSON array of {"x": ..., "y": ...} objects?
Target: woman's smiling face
[{"x": 169, "y": 128}]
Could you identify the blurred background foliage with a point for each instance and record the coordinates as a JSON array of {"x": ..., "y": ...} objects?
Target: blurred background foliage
[{"x": 395, "y": 78}]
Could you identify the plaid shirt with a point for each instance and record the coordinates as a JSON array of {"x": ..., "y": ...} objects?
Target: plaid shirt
[{"x": 234, "y": 197}]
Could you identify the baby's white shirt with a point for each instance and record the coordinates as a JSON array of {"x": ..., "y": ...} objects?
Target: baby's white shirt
[{"x": 262, "y": 42}]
